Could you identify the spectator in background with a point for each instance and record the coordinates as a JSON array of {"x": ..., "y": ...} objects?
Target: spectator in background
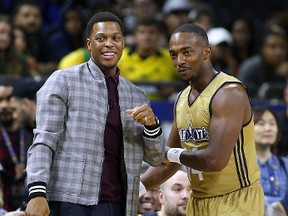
[
  {"x": 243, "y": 39},
  {"x": 27, "y": 15},
  {"x": 173, "y": 195},
  {"x": 278, "y": 21},
  {"x": 140, "y": 9},
  {"x": 283, "y": 119},
  {"x": 269, "y": 66},
  {"x": 5, "y": 178},
  {"x": 24, "y": 95},
  {"x": 148, "y": 63},
  {"x": 221, "y": 42},
  {"x": 148, "y": 202},
  {"x": 11, "y": 63},
  {"x": 12, "y": 146},
  {"x": 274, "y": 169},
  {"x": 175, "y": 13},
  {"x": 68, "y": 36},
  {"x": 20, "y": 45},
  {"x": 203, "y": 17}
]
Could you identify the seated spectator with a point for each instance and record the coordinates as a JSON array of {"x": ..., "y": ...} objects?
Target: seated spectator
[
  {"x": 269, "y": 66},
  {"x": 221, "y": 42},
  {"x": 20, "y": 45},
  {"x": 24, "y": 95},
  {"x": 283, "y": 121},
  {"x": 273, "y": 168},
  {"x": 11, "y": 63},
  {"x": 27, "y": 15},
  {"x": 149, "y": 63},
  {"x": 173, "y": 195},
  {"x": 140, "y": 9},
  {"x": 148, "y": 202},
  {"x": 203, "y": 17},
  {"x": 243, "y": 35},
  {"x": 68, "y": 36},
  {"x": 175, "y": 13},
  {"x": 12, "y": 146}
]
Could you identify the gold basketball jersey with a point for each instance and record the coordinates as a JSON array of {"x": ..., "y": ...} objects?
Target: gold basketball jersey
[{"x": 193, "y": 127}]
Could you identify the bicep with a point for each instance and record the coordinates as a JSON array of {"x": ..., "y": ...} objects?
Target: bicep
[{"x": 229, "y": 110}]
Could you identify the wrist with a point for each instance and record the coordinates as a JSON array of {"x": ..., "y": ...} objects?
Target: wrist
[
  {"x": 173, "y": 155},
  {"x": 153, "y": 131},
  {"x": 37, "y": 189}
]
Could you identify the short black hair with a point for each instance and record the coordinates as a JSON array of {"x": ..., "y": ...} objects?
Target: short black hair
[
  {"x": 192, "y": 28},
  {"x": 103, "y": 16}
]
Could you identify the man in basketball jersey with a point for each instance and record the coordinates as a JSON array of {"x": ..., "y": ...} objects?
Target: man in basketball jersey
[{"x": 212, "y": 134}]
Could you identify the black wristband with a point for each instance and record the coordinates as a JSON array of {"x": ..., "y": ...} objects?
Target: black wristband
[
  {"x": 154, "y": 130},
  {"x": 37, "y": 189}
]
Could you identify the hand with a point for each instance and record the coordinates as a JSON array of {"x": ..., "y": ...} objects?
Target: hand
[
  {"x": 19, "y": 171},
  {"x": 37, "y": 206},
  {"x": 15, "y": 213},
  {"x": 143, "y": 114}
]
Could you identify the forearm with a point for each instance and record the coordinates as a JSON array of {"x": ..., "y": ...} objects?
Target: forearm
[
  {"x": 154, "y": 144},
  {"x": 155, "y": 176},
  {"x": 38, "y": 167},
  {"x": 203, "y": 160}
]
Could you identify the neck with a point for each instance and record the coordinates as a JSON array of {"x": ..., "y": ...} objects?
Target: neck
[
  {"x": 145, "y": 52},
  {"x": 200, "y": 82},
  {"x": 263, "y": 153},
  {"x": 109, "y": 71}
]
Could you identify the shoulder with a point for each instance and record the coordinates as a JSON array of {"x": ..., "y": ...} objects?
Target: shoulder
[
  {"x": 69, "y": 72},
  {"x": 164, "y": 51},
  {"x": 254, "y": 60},
  {"x": 73, "y": 58},
  {"x": 232, "y": 91},
  {"x": 250, "y": 65},
  {"x": 127, "y": 51},
  {"x": 231, "y": 97},
  {"x": 284, "y": 160}
]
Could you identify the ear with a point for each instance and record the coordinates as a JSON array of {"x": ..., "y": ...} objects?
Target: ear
[
  {"x": 26, "y": 101},
  {"x": 88, "y": 43},
  {"x": 123, "y": 42},
  {"x": 207, "y": 52},
  {"x": 161, "y": 196}
]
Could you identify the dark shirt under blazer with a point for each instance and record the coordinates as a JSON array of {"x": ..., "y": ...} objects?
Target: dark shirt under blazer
[{"x": 67, "y": 152}]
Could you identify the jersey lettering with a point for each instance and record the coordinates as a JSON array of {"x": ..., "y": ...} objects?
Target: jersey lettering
[{"x": 193, "y": 134}]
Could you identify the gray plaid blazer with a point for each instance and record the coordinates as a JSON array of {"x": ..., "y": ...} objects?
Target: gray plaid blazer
[{"x": 67, "y": 150}]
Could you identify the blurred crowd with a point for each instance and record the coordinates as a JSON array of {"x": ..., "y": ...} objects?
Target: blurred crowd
[{"x": 248, "y": 40}]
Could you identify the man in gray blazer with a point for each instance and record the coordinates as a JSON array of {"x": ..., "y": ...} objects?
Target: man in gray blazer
[{"x": 93, "y": 130}]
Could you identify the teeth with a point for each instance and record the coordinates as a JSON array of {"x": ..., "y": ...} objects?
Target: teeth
[{"x": 108, "y": 54}]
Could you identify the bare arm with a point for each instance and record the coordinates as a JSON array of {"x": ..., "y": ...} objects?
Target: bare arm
[
  {"x": 230, "y": 111},
  {"x": 155, "y": 176}
]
